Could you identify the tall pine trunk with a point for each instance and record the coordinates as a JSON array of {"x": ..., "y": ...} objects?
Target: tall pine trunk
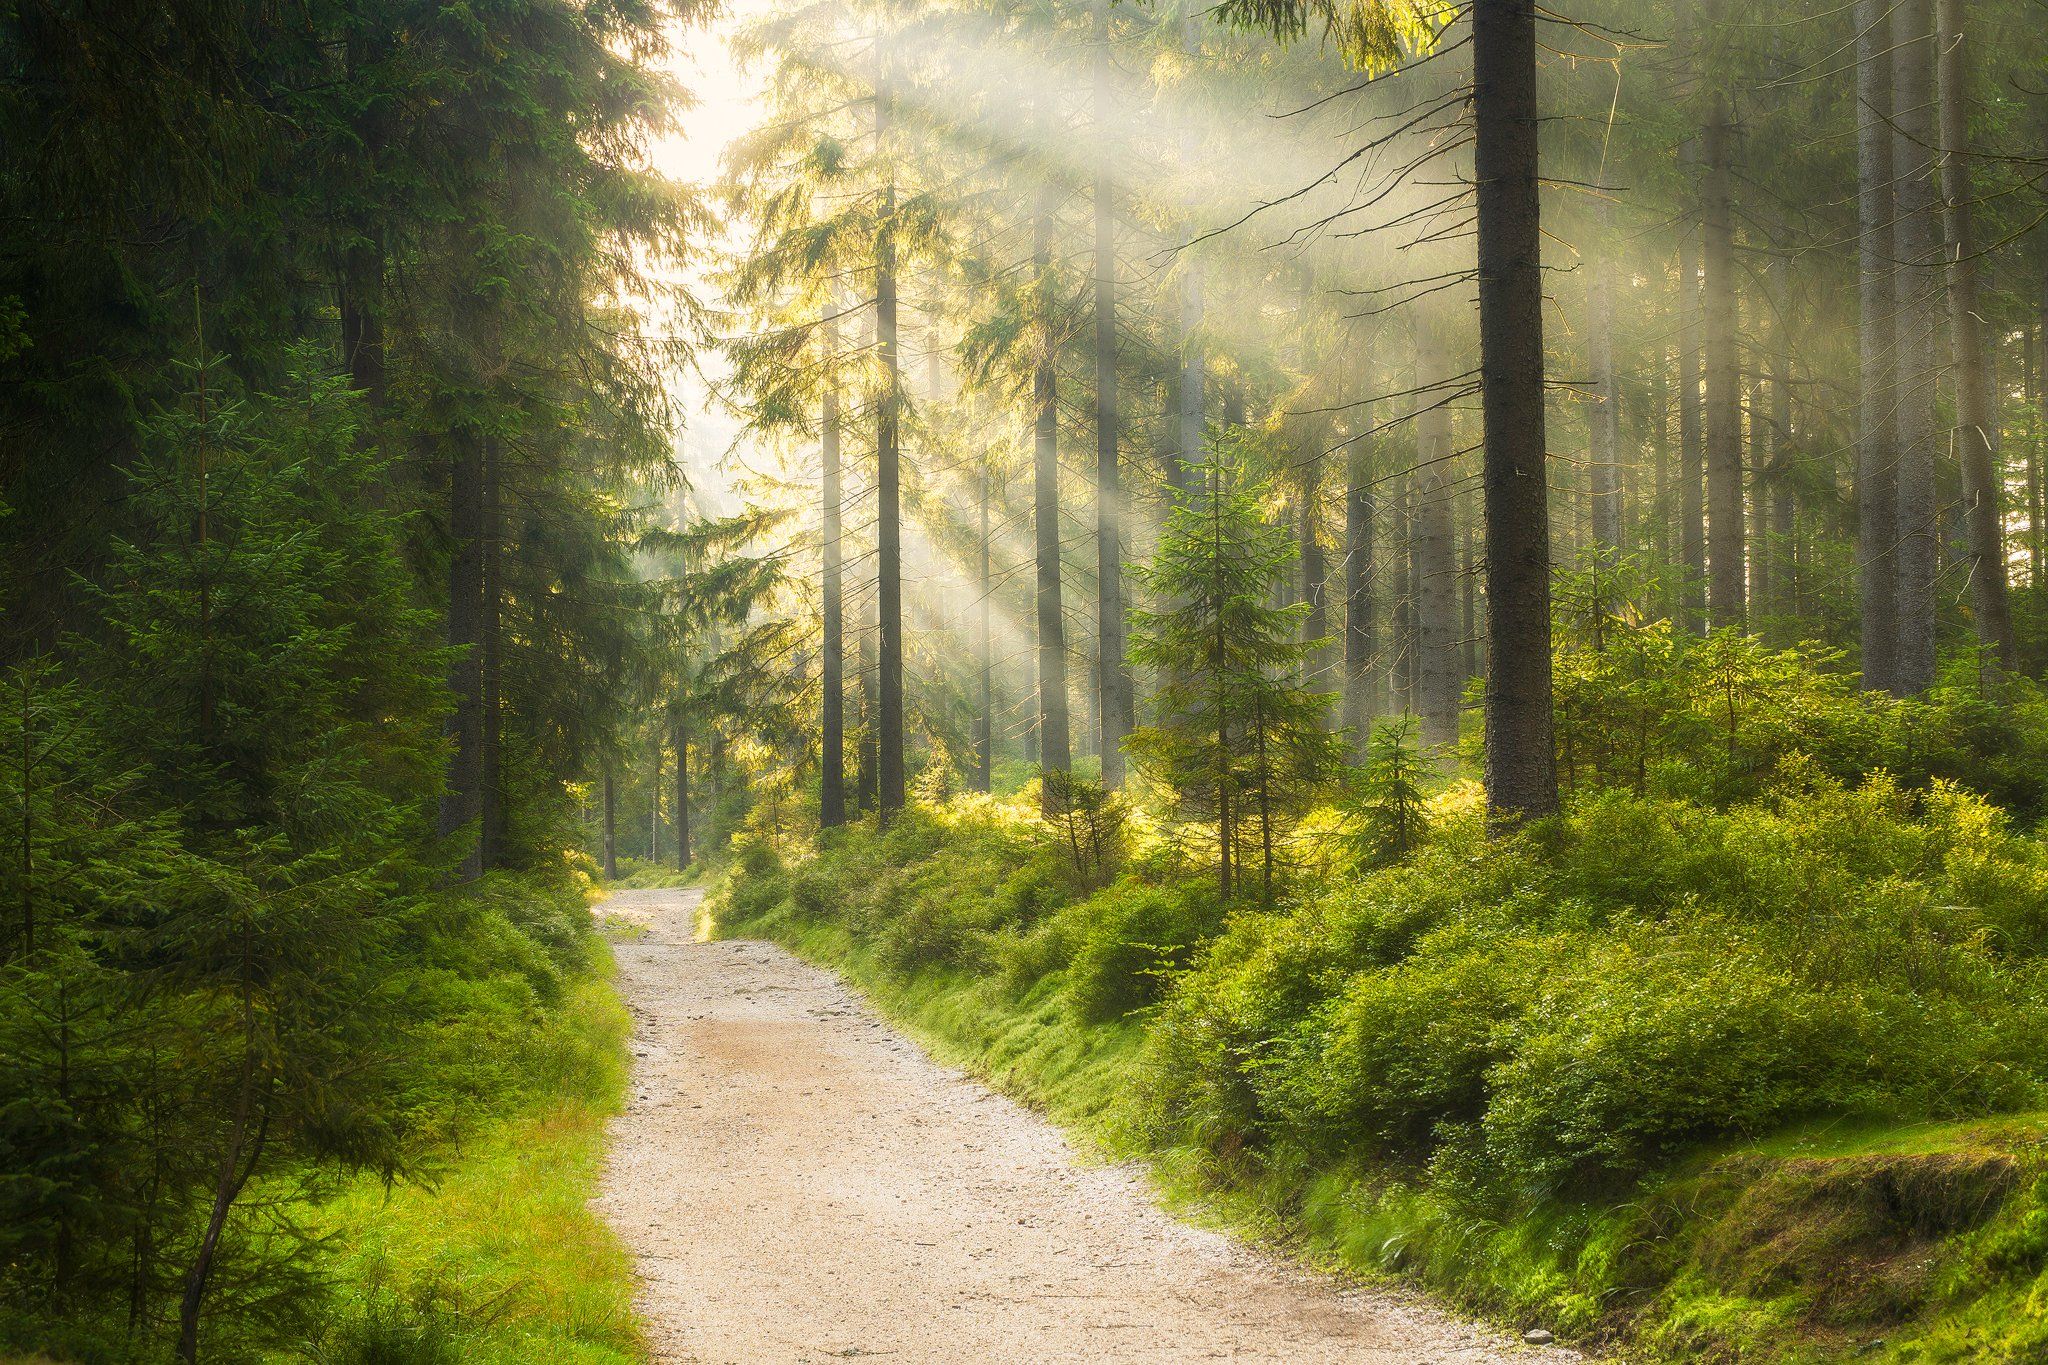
[
  {"x": 1315, "y": 570},
  {"x": 2037, "y": 546},
  {"x": 1784, "y": 540},
  {"x": 654, "y": 801},
  {"x": 1603, "y": 413},
  {"x": 1116, "y": 704},
  {"x": 1435, "y": 572},
  {"x": 1401, "y": 676},
  {"x": 1521, "y": 763},
  {"x": 888, "y": 479},
  {"x": 1359, "y": 645},
  {"x": 681, "y": 740},
  {"x": 461, "y": 798},
  {"x": 1876, "y": 428},
  {"x": 611, "y": 823},
  {"x": 1726, "y": 582},
  {"x": 1976, "y": 411},
  {"x": 984, "y": 662},
  {"x": 1054, "y": 754},
  {"x": 1917, "y": 249},
  {"x": 832, "y": 701},
  {"x": 1692, "y": 512},
  {"x": 491, "y": 675}
]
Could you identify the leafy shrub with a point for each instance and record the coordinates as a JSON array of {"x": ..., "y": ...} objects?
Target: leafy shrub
[
  {"x": 1134, "y": 938},
  {"x": 1593, "y": 998},
  {"x": 1405, "y": 1049}
]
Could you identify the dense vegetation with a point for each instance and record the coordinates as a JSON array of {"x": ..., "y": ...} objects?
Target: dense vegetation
[
  {"x": 1495, "y": 553},
  {"x": 1672, "y": 1067},
  {"x": 332, "y": 452}
]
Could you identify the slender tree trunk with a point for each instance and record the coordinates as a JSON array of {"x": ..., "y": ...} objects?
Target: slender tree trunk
[
  {"x": 888, "y": 525},
  {"x": 1116, "y": 707},
  {"x": 1917, "y": 249},
  {"x": 490, "y": 770},
  {"x": 1468, "y": 585},
  {"x": 1191, "y": 395},
  {"x": 1053, "y": 744},
  {"x": 461, "y": 800},
  {"x": 1521, "y": 764},
  {"x": 1876, "y": 428},
  {"x": 832, "y": 704},
  {"x": 1784, "y": 537},
  {"x": 1692, "y": 514},
  {"x": 2037, "y": 545},
  {"x": 681, "y": 740},
  {"x": 1976, "y": 412},
  {"x": 1401, "y": 678},
  {"x": 654, "y": 803},
  {"x": 1315, "y": 572},
  {"x": 1762, "y": 445},
  {"x": 1435, "y": 589},
  {"x": 1726, "y": 587},
  {"x": 1603, "y": 413},
  {"x": 611, "y": 824},
  {"x": 1359, "y": 645},
  {"x": 238, "y": 1162},
  {"x": 1660, "y": 457},
  {"x": 985, "y": 723}
]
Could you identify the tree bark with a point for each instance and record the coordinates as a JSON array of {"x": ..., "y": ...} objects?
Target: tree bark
[
  {"x": 2036, "y": 545},
  {"x": 461, "y": 799},
  {"x": 1603, "y": 412},
  {"x": 1435, "y": 588},
  {"x": 1521, "y": 764},
  {"x": 1054, "y": 754},
  {"x": 611, "y": 824},
  {"x": 985, "y": 721},
  {"x": 1692, "y": 512},
  {"x": 1315, "y": 572},
  {"x": 681, "y": 740},
  {"x": 491, "y": 697},
  {"x": 1726, "y": 584},
  {"x": 832, "y": 703},
  {"x": 654, "y": 802},
  {"x": 1917, "y": 249},
  {"x": 1359, "y": 645},
  {"x": 1115, "y": 709},
  {"x": 1976, "y": 411},
  {"x": 888, "y": 497},
  {"x": 1784, "y": 540},
  {"x": 1876, "y": 429},
  {"x": 1401, "y": 676}
]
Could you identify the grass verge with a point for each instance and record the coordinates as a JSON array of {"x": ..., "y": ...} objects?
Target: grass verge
[{"x": 499, "y": 1260}]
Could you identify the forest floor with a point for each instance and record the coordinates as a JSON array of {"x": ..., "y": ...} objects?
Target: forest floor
[{"x": 799, "y": 1182}]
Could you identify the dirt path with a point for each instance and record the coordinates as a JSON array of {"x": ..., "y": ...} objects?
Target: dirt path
[{"x": 800, "y": 1183}]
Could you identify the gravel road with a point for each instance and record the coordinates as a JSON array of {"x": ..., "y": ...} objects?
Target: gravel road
[{"x": 798, "y": 1182}]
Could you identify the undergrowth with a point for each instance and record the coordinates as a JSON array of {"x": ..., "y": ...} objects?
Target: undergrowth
[
  {"x": 496, "y": 1256},
  {"x": 1704, "y": 1082}
]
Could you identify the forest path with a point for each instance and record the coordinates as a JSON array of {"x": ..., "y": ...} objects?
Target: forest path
[{"x": 799, "y": 1182}]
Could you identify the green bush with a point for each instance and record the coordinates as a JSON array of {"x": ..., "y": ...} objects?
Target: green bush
[
  {"x": 1592, "y": 999},
  {"x": 1133, "y": 940}
]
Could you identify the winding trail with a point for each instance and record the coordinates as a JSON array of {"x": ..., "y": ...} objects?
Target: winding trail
[{"x": 798, "y": 1182}]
